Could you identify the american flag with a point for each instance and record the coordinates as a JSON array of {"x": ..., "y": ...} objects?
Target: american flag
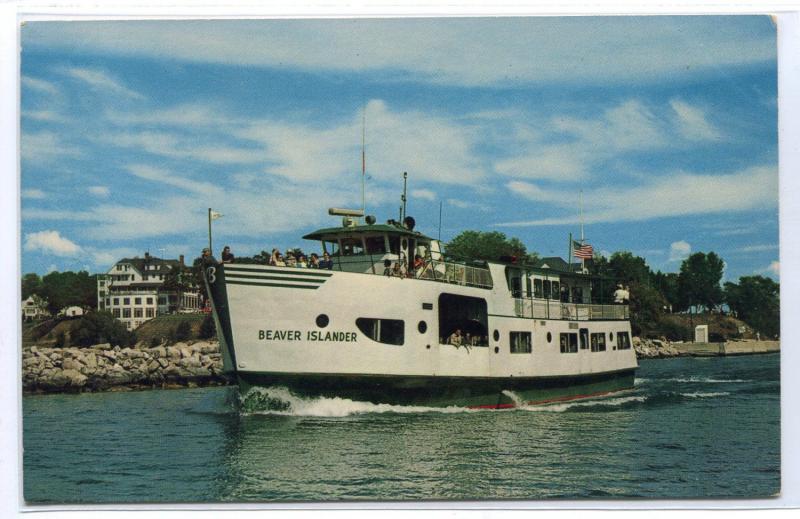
[{"x": 583, "y": 251}]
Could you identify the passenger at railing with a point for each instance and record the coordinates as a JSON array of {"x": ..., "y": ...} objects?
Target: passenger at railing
[
  {"x": 301, "y": 262},
  {"x": 227, "y": 255},
  {"x": 398, "y": 270},
  {"x": 291, "y": 261},
  {"x": 313, "y": 261},
  {"x": 326, "y": 262},
  {"x": 564, "y": 294},
  {"x": 619, "y": 295},
  {"x": 387, "y": 267},
  {"x": 419, "y": 265},
  {"x": 276, "y": 260},
  {"x": 206, "y": 258},
  {"x": 456, "y": 339},
  {"x": 626, "y": 296}
]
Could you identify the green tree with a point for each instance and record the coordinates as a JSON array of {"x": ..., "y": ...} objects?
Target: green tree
[
  {"x": 756, "y": 301},
  {"x": 487, "y": 246},
  {"x": 667, "y": 285},
  {"x": 31, "y": 285},
  {"x": 101, "y": 327},
  {"x": 62, "y": 289},
  {"x": 699, "y": 281},
  {"x": 207, "y": 328}
]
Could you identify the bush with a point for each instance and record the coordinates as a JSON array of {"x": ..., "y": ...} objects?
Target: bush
[
  {"x": 61, "y": 340},
  {"x": 182, "y": 331},
  {"x": 155, "y": 341},
  {"x": 101, "y": 327},
  {"x": 208, "y": 329},
  {"x": 675, "y": 330}
]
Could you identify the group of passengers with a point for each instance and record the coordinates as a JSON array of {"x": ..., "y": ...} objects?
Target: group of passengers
[
  {"x": 300, "y": 261},
  {"x": 398, "y": 268},
  {"x": 458, "y": 339}
]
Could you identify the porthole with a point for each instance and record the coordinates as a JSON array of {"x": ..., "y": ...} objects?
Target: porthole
[
  {"x": 549, "y": 337},
  {"x": 422, "y": 327},
  {"x": 610, "y": 336},
  {"x": 322, "y": 320},
  {"x": 496, "y": 335},
  {"x": 497, "y": 349}
]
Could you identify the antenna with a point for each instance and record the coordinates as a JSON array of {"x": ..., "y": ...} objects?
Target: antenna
[
  {"x": 363, "y": 157},
  {"x": 440, "y": 221},
  {"x": 403, "y": 198}
]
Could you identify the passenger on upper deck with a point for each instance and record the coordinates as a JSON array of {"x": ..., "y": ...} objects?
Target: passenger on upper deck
[
  {"x": 291, "y": 261},
  {"x": 326, "y": 262},
  {"x": 455, "y": 338},
  {"x": 227, "y": 255},
  {"x": 313, "y": 262},
  {"x": 419, "y": 265},
  {"x": 619, "y": 295},
  {"x": 276, "y": 260},
  {"x": 301, "y": 262}
]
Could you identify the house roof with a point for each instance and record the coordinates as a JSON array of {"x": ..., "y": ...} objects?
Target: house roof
[{"x": 163, "y": 266}]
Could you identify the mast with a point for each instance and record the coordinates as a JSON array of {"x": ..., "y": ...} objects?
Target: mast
[
  {"x": 583, "y": 260},
  {"x": 404, "y": 198},
  {"x": 363, "y": 158}
]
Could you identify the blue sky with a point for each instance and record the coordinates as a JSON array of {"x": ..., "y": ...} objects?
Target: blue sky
[{"x": 131, "y": 130}]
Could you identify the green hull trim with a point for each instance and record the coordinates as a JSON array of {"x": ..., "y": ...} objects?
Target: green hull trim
[{"x": 435, "y": 391}]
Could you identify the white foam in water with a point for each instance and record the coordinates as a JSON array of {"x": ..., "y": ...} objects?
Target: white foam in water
[
  {"x": 604, "y": 402},
  {"x": 333, "y": 407},
  {"x": 640, "y": 381},
  {"x": 704, "y": 395},
  {"x": 707, "y": 380}
]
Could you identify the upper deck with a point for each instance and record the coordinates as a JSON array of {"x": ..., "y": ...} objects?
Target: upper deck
[{"x": 539, "y": 292}]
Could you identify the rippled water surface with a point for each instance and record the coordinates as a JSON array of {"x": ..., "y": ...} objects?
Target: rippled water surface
[{"x": 691, "y": 428}]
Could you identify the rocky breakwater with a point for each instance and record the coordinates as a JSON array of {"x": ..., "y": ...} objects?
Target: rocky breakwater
[
  {"x": 654, "y": 348},
  {"x": 103, "y": 367}
]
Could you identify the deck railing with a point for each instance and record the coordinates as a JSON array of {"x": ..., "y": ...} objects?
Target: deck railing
[
  {"x": 456, "y": 273},
  {"x": 548, "y": 309}
]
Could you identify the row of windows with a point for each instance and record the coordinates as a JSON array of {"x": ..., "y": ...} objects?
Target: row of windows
[
  {"x": 568, "y": 342},
  {"x": 136, "y": 300},
  {"x": 125, "y": 313}
]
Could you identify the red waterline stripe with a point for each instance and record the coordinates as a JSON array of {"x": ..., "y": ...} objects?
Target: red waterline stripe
[{"x": 538, "y": 402}]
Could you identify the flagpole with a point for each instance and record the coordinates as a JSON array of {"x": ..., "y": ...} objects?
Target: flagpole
[
  {"x": 583, "y": 260},
  {"x": 569, "y": 253},
  {"x": 363, "y": 158},
  {"x": 209, "y": 231}
]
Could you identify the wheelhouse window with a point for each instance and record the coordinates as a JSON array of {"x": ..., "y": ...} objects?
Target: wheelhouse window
[
  {"x": 623, "y": 341},
  {"x": 352, "y": 247},
  {"x": 386, "y": 331},
  {"x": 376, "y": 245},
  {"x": 569, "y": 343},
  {"x": 520, "y": 342},
  {"x": 598, "y": 342},
  {"x": 538, "y": 291}
]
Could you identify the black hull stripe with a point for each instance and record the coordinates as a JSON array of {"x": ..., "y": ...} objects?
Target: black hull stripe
[
  {"x": 280, "y": 285},
  {"x": 276, "y": 278},
  {"x": 292, "y": 271}
]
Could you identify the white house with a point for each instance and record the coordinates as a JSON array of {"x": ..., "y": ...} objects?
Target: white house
[
  {"x": 132, "y": 290},
  {"x": 71, "y": 311},
  {"x": 34, "y": 307}
]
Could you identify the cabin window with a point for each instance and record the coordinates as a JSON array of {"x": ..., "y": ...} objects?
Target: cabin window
[
  {"x": 577, "y": 294},
  {"x": 598, "y": 342},
  {"x": 331, "y": 247},
  {"x": 569, "y": 343},
  {"x": 520, "y": 342},
  {"x": 623, "y": 341},
  {"x": 352, "y": 247},
  {"x": 584, "y": 337},
  {"x": 394, "y": 244},
  {"x": 385, "y": 331},
  {"x": 528, "y": 287},
  {"x": 537, "y": 288},
  {"x": 547, "y": 288},
  {"x": 464, "y": 313},
  {"x": 376, "y": 245},
  {"x": 556, "y": 290}
]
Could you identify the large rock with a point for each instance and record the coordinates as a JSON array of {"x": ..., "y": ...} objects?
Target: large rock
[
  {"x": 71, "y": 364},
  {"x": 63, "y": 379}
]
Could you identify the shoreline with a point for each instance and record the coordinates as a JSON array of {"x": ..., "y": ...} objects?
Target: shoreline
[{"x": 103, "y": 368}]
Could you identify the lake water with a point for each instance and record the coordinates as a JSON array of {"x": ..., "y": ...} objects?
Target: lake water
[{"x": 691, "y": 428}]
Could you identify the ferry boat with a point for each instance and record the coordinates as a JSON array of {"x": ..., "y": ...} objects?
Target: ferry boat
[{"x": 527, "y": 334}]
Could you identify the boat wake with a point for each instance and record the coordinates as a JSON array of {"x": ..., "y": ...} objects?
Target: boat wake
[
  {"x": 281, "y": 401},
  {"x": 603, "y": 402}
]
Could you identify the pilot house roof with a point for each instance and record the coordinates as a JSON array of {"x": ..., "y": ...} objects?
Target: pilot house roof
[{"x": 334, "y": 232}]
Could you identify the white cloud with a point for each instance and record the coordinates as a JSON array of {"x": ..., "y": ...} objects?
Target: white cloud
[
  {"x": 51, "y": 242},
  {"x": 43, "y": 115},
  {"x": 450, "y": 51},
  {"x": 758, "y": 248},
  {"x": 775, "y": 268},
  {"x": 101, "y": 191},
  {"x": 678, "y": 194},
  {"x": 102, "y": 81},
  {"x": 194, "y": 147},
  {"x": 170, "y": 178},
  {"x": 45, "y": 147},
  {"x": 679, "y": 250},
  {"x": 33, "y": 193},
  {"x": 692, "y": 122},
  {"x": 423, "y": 194},
  {"x": 39, "y": 85}
]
